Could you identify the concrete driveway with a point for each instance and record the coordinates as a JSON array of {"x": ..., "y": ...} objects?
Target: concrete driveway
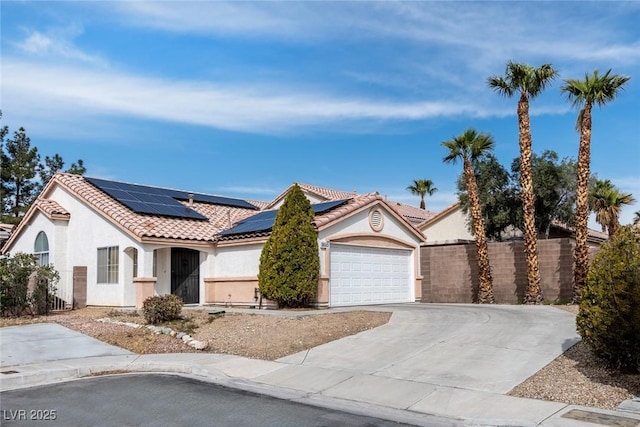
[
  {"x": 45, "y": 342},
  {"x": 474, "y": 347}
]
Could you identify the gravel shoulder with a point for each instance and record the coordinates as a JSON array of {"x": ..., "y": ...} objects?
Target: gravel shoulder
[{"x": 575, "y": 377}]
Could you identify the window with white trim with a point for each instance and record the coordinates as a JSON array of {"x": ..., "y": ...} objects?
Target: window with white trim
[
  {"x": 41, "y": 248},
  {"x": 108, "y": 265}
]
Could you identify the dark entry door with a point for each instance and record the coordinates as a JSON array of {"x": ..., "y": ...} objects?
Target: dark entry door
[{"x": 185, "y": 274}]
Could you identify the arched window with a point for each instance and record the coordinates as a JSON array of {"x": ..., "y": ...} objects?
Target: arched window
[{"x": 41, "y": 248}]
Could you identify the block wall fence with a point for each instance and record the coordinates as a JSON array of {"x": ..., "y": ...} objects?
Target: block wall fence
[{"x": 450, "y": 272}]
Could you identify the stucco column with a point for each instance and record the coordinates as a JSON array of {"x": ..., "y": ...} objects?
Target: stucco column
[{"x": 144, "y": 289}]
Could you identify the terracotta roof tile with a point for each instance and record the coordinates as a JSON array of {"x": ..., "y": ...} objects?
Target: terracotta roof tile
[
  {"x": 327, "y": 193},
  {"x": 155, "y": 226},
  {"x": 352, "y": 205},
  {"x": 412, "y": 214},
  {"x": 51, "y": 208}
]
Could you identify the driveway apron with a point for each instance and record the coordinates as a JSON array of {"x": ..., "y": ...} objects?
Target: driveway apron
[{"x": 483, "y": 348}]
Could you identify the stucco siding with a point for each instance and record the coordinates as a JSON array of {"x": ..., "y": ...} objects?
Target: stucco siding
[
  {"x": 237, "y": 261},
  {"x": 451, "y": 227}
]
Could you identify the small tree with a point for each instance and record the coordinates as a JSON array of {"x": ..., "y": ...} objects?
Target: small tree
[
  {"x": 609, "y": 317},
  {"x": 289, "y": 263}
]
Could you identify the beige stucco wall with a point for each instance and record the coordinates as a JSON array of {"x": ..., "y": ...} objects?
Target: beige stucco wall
[{"x": 450, "y": 227}]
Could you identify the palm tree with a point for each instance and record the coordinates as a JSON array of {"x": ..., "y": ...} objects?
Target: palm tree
[
  {"x": 636, "y": 218},
  {"x": 598, "y": 89},
  {"x": 607, "y": 201},
  {"x": 470, "y": 147},
  {"x": 421, "y": 187},
  {"x": 527, "y": 82}
]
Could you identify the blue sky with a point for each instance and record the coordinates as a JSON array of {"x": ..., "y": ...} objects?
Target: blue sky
[{"x": 244, "y": 98}]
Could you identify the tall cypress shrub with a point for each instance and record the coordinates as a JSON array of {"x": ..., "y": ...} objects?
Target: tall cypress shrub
[{"x": 289, "y": 262}]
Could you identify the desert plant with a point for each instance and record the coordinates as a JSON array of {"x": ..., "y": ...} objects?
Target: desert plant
[
  {"x": 609, "y": 316},
  {"x": 162, "y": 308},
  {"x": 289, "y": 262}
]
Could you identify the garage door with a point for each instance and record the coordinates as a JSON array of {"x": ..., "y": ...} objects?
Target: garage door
[{"x": 364, "y": 275}]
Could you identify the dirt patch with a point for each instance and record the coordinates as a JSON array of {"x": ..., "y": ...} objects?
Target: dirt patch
[
  {"x": 576, "y": 377},
  {"x": 250, "y": 335}
]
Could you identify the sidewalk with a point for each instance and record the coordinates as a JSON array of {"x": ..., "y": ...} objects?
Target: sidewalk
[{"x": 400, "y": 400}]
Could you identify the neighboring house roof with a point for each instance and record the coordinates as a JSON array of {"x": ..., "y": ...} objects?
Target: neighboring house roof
[
  {"x": 414, "y": 215},
  {"x": 321, "y": 192}
]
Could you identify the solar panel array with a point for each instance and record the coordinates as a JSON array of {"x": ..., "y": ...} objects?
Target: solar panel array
[
  {"x": 264, "y": 221},
  {"x": 161, "y": 201}
]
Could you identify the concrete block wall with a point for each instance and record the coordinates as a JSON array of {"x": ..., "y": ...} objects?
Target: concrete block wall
[{"x": 450, "y": 271}]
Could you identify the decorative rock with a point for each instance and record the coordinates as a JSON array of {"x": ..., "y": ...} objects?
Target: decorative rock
[
  {"x": 198, "y": 345},
  {"x": 186, "y": 338}
]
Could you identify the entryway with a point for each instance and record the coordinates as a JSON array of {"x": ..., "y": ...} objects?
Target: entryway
[{"x": 185, "y": 274}]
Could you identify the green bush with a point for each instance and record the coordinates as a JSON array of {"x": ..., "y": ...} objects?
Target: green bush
[
  {"x": 289, "y": 262},
  {"x": 609, "y": 317},
  {"x": 163, "y": 308},
  {"x": 15, "y": 274}
]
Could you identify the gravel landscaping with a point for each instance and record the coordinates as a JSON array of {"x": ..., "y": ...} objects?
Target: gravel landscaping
[{"x": 574, "y": 377}]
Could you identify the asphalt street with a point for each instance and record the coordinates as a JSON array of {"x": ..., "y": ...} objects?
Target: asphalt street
[{"x": 161, "y": 400}]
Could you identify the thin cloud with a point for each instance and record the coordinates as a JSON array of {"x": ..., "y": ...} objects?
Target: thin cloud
[
  {"x": 255, "y": 109},
  {"x": 59, "y": 44}
]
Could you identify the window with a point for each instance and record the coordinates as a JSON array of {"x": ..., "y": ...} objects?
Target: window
[
  {"x": 41, "y": 248},
  {"x": 134, "y": 256},
  {"x": 108, "y": 265}
]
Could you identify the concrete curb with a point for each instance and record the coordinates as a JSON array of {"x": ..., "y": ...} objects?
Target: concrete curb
[{"x": 251, "y": 375}]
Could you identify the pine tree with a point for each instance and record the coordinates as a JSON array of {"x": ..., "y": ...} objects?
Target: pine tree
[
  {"x": 289, "y": 263},
  {"x": 18, "y": 172}
]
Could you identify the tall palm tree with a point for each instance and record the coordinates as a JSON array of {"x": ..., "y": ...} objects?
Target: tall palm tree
[
  {"x": 598, "y": 89},
  {"x": 422, "y": 187},
  {"x": 527, "y": 82},
  {"x": 469, "y": 147},
  {"x": 607, "y": 201}
]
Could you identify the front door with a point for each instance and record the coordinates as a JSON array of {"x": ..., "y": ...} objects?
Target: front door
[{"x": 185, "y": 274}]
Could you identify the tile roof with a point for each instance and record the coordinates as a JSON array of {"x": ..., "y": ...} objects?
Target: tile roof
[
  {"x": 52, "y": 209},
  {"x": 327, "y": 193},
  {"x": 219, "y": 218},
  {"x": 412, "y": 214},
  {"x": 154, "y": 226},
  {"x": 352, "y": 205},
  {"x": 322, "y": 192}
]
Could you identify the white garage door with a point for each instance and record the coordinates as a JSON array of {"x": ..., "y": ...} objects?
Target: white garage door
[{"x": 363, "y": 275}]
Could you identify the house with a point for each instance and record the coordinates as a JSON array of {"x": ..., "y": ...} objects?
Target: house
[
  {"x": 447, "y": 226},
  {"x": 450, "y": 226},
  {"x": 114, "y": 244}
]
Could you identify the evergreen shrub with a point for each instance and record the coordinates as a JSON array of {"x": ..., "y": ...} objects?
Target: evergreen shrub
[
  {"x": 609, "y": 316},
  {"x": 289, "y": 262}
]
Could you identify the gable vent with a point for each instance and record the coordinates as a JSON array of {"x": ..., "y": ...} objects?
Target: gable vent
[{"x": 376, "y": 220}]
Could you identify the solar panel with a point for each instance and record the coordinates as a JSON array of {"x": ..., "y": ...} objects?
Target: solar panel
[
  {"x": 140, "y": 200},
  {"x": 264, "y": 221},
  {"x": 320, "y": 208}
]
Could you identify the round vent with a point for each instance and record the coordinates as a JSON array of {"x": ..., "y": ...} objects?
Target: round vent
[{"x": 376, "y": 220}]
